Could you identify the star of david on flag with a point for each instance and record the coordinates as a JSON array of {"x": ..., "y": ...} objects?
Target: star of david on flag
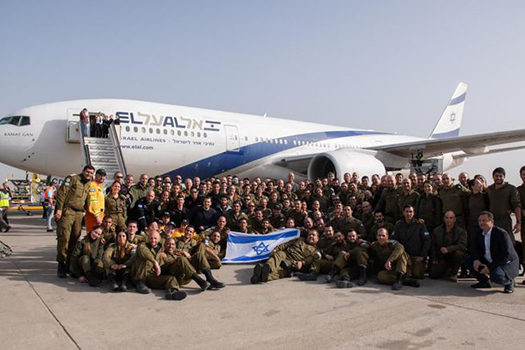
[{"x": 245, "y": 248}]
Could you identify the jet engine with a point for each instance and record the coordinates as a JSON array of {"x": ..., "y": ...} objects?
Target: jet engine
[{"x": 344, "y": 161}]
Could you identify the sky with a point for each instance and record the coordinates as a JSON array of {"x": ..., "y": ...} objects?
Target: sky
[{"x": 389, "y": 66}]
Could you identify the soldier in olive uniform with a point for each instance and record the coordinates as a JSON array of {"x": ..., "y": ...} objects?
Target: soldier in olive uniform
[
  {"x": 449, "y": 245},
  {"x": 235, "y": 215},
  {"x": 428, "y": 207},
  {"x": 389, "y": 260},
  {"x": 115, "y": 206},
  {"x": 415, "y": 239},
  {"x": 503, "y": 200},
  {"x": 297, "y": 255},
  {"x": 86, "y": 260},
  {"x": 352, "y": 262},
  {"x": 108, "y": 231},
  {"x": 454, "y": 197},
  {"x": 196, "y": 252},
  {"x": 117, "y": 259},
  {"x": 329, "y": 248},
  {"x": 388, "y": 202},
  {"x": 138, "y": 190},
  {"x": 407, "y": 196},
  {"x": 379, "y": 222},
  {"x": 70, "y": 203},
  {"x": 147, "y": 269},
  {"x": 214, "y": 251},
  {"x": 348, "y": 223}
]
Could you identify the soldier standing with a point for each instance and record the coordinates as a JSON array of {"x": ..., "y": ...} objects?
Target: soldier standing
[
  {"x": 504, "y": 200},
  {"x": 454, "y": 197},
  {"x": 70, "y": 202}
]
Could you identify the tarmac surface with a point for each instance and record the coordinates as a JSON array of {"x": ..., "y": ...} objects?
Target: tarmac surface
[{"x": 40, "y": 311}]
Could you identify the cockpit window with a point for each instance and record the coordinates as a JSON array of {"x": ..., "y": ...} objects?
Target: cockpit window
[
  {"x": 16, "y": 120},
  {"x": 25, "y": 121}
]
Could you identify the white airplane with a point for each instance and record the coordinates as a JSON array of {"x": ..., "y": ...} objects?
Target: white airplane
[{"x": 166, "y": 139}]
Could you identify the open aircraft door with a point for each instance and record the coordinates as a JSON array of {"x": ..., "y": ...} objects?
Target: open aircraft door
[
  {"x": 73, "y": 125},
  {"x": 232, "y": 138}
]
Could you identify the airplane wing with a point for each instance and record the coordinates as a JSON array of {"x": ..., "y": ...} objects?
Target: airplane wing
[{"x": 471, "y": 144}]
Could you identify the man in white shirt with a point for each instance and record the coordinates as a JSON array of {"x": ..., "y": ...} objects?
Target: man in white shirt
[{"x": 493, "y": 256}]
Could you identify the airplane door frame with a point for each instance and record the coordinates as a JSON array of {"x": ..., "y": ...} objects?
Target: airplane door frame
[
  {"x": 73, "y": 125},
  {"x": 233, "y": 141}
]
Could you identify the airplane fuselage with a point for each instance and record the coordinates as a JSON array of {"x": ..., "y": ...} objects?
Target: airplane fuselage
[{"x": 166, "y": 139}]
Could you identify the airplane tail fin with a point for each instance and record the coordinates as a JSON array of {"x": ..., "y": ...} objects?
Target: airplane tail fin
[{"x": 450, "y": 121}]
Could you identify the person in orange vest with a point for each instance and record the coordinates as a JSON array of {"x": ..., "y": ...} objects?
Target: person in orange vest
[
  {"x": 49, "y": 204},
  {"x": 95, "y": 201}
]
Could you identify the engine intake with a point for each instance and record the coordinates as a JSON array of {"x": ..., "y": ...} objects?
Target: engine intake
[{"x": 344, "y": 161}]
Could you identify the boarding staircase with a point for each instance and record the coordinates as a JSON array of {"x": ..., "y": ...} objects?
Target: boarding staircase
[{"x": 104, "y": 152}]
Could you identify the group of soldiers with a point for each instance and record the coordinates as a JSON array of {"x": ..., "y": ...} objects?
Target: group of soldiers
[{"x": 162, "y": 232}]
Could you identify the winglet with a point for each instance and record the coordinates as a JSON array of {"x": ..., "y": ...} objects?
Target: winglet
[{"x": 450, "y": 120}]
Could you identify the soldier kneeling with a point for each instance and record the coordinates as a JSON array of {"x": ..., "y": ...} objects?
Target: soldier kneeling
[
  {"x": 350, "y": 263},
  {"x": 117, "y": 259},
  {"x": 297, "y": 255},
  {"x": 390, "y": 261},
  {"x": 86, "y": 261},
  {"x": 199, "y": 256},
  {"x": 155, "y": 268}
]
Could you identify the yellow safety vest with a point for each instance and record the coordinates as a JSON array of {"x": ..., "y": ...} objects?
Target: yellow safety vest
[
  {"x": 4, "y": 199},
  {"x": 95, "y": 199}
]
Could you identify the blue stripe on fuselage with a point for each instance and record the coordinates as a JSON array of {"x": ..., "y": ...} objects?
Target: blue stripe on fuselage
[{"x": 226, "y": 161}]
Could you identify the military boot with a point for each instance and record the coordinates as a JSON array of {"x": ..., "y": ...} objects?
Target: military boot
[
  {"x": 214, "y": 283},
  {"x": 287, "y": 269},
  {"x": 256, "y": 276},
  {"x": 113, "y": 284},
  {"x": 142, "y": 288},
  {"x": 398, "y": 284},
  {"x": 61, "y": 270},
  {"x": 333, "y": 272},
  {"x": 202, "y": 283},
  {"x": 344, "y": 282},
  {"x": 362, "y": 276},
  {"x": 123, "y": 287},
  {"x": 306, "y": 276},
  {"x": 94, "y": 280},
  {"x": 412, "y": 282},
  {"x": 265, "y": 272},
  {"x": 176, "y": 295}
]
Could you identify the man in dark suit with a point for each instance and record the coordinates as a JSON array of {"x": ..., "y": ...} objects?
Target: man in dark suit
[{"x": 493, "y": 255}]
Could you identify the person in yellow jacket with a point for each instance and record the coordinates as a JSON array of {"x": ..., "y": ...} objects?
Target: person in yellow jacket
[
  {"x": 5, "y": 196},
  {"x": 95, "y": 201}
]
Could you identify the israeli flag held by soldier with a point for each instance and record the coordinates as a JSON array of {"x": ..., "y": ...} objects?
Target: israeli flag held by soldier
[{"x": 246, "y": 248}]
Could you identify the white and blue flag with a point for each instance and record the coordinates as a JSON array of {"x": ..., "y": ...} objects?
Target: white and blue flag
[{"x": 246, "y": 248}]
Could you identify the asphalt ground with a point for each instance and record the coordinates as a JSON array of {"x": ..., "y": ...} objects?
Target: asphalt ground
[{"x": 40, "y": 311}]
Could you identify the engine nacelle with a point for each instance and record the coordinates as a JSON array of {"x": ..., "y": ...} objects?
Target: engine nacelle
[{"x": 344, "y": 161}]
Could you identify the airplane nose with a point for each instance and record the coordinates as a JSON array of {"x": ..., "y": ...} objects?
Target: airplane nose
[{"x": 15, "y": 139}]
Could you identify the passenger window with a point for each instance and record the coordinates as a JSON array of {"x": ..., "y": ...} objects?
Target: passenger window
[{"x": 25, "y": 121}]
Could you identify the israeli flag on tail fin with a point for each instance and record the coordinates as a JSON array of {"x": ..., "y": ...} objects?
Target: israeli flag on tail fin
[
  {"x": 246, "y": 248},
  {"x": 450, "y": 121}
]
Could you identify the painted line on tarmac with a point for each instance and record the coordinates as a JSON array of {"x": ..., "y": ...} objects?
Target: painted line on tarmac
[{"x": 45, "y": 305}]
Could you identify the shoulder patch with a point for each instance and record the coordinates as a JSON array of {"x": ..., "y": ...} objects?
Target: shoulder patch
[
  {"x": 67, "y": 181},
  {"x": 426, "y": 233}
]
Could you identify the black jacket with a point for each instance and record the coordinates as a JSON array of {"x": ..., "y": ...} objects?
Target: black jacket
[{"x": 501, "y": 250}]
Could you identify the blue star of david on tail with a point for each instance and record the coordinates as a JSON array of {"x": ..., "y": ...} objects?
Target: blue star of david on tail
[{"x": 261, "y": 248}]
